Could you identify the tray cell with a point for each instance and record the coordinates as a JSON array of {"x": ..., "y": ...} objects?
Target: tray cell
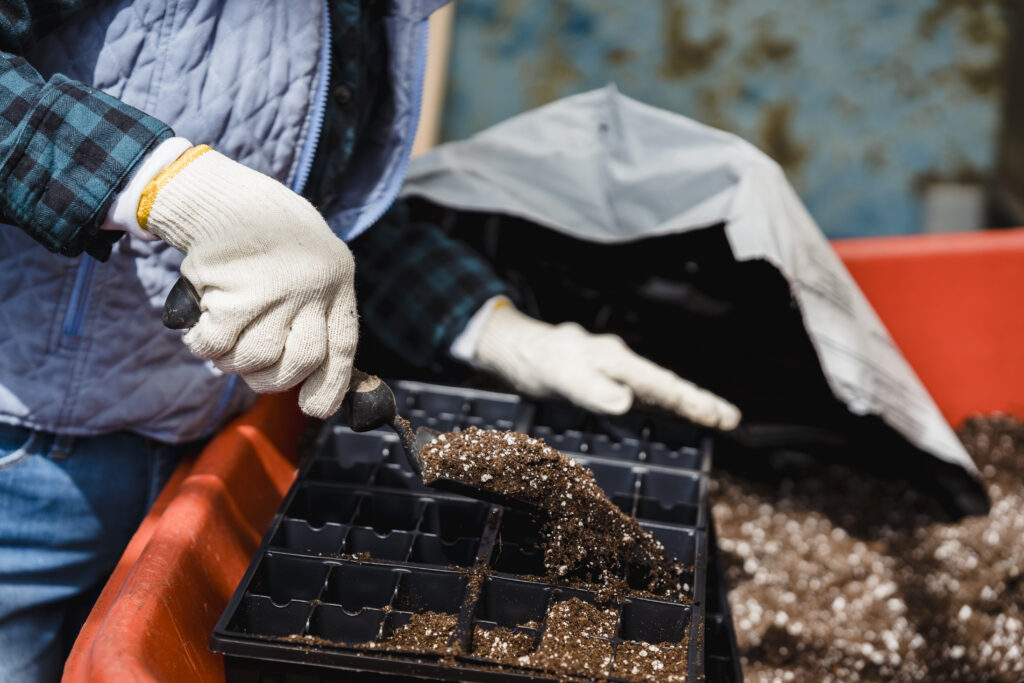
[
  {"x": 622, "y": 427},
  {"x": 670, "y": 488},
  {"x": 510, "y": 602},
  {"x": 652, "y": 509},
  {"x": 319, "y": 505},
  {"x": 355, "y": 586},
  {"x": 653, "y": 621},
  {"x": 560, "y": 417},
  {"x": 434, "y": 403},
  {"x": 442, "y": 422},
  {"x": 603, "y": 445},
  {"x": 534, "y": 634},
  {"x": 520, "y": 529},
  {"x": 430, "y": 590},
  {"x": 567, "y": 442},
  {"x": 680, "y": 543},
  {"x": 675, "y": 433},
  {"x": 612, "y": 478},
  {"x": 625, "y": 502},
  {"x": 496, "y": 413},
  {"x": 385, "y": 512},
  {"x": 325, "y": 469},
  {"x": 511, "y": 558},
  {"x": 394, "y": 476},
  {"x": 405, "y": 399},
  {"x": 298, "y": 536},
  {"x": 389, "y": 546},
  {"x": 452, "y": 519},
  {"x": 563, "y": 593},
  {"x": 358, "y": 448},
  {"x": 285, "y": 578},
  {"x": 336, "y": 624},
  {"x": 684, "y": 458},
  {"x": 258, "y": 615},
  {"x": 433, "y": 549}
]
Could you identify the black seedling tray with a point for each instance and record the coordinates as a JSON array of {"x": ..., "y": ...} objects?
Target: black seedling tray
[
  {"x": 359, "y": 545},
  {"x": 721, "y": 653}
]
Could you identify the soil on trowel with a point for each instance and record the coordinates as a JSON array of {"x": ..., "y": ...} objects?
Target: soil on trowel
[{"x": 585, "y": 536}]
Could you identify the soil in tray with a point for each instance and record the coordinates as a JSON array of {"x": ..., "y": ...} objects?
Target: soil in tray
[
  {"x": 426, "y": 632},
  {"x": 585, "y": 536},
  {"x": 575, "y": 644},
  {"x": 651, "y": 662},
  {"x": 502, "y": 644},
  {"x": 839, "y": 576}
]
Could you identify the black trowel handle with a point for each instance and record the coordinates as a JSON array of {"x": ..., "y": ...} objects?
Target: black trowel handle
[
  {"x": 181, "y": 308},
  {"x": 369, "y": 402}
]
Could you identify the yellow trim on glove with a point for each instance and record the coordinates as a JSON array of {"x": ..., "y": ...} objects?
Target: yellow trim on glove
[{"x": 154, "y": 186}]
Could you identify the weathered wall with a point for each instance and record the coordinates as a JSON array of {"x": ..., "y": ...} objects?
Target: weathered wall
[{"x": 862, "y": 101}]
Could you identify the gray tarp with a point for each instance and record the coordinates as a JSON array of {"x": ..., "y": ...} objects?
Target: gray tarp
[{"x": 605, "y": 168}]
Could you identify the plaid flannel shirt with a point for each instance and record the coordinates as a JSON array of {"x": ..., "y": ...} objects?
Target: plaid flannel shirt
[
  {"x": 65, "y": 149},
  {"x": 417, "y": 287}
]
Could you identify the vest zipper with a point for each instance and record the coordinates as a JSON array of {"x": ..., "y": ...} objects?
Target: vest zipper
[
  {"x": 78, "y": 304},
  {"x": 398, "y": 178},
  {"x": 306, "y": 158},
  {"x": 316, "y": 123}
]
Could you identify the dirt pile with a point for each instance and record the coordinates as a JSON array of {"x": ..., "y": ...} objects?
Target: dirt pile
[
  {"x": 839, "y": 576},
  {"x": 425, "y": 632}
]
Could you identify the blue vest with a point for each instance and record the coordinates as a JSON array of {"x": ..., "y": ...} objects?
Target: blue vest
[{"x": 83, "y": 351}]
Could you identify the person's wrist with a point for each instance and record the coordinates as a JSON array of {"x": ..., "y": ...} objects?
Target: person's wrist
[
  {"x": 464, "y": 346},
  {"x": 123, "y": 211},
  {"x": 507, "y": 338},
  {"x": 161, "y": 180}
]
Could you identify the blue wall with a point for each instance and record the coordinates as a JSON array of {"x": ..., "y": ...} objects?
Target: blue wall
[{"x": 862, "y": 101}]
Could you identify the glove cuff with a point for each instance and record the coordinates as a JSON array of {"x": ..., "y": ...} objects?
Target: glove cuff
[
  {"x": 506, "y": 332},
  {"x": 152, "y": 189}
]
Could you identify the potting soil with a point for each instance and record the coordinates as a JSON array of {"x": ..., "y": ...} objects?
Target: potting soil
[
  {"x": 840, "y": 576},
  {"x": 650, "y": 662},
  {"x": 425, "y": 632},
  {"x": 502, "y": 644},
  {"x": 585, "y": 536}
]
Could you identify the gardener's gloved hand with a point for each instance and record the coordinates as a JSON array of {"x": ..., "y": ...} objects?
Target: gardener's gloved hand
[
  {"x": 276, "y": 285},
  {"x": 597, "y": 372}
]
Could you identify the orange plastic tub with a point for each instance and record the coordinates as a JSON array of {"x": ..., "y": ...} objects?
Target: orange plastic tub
[
  {"x": 154, "y": 618},
  {"x": 952, "y": 303}
]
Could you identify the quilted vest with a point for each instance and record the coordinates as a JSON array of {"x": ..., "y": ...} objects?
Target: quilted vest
[{"x": 83, "y": 351}]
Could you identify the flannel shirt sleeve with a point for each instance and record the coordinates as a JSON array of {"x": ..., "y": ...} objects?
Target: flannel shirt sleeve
[
  {"x": 65, "y": 149},
  {"x": 417, "y": 287}
]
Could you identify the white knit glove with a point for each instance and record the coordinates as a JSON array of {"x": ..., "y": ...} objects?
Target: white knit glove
[
  {"x": 597, "y": 372},
  {"x": 275, "y": 284}
]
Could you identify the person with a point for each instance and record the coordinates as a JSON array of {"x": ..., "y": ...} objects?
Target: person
[{"x": 250, "y": 146}]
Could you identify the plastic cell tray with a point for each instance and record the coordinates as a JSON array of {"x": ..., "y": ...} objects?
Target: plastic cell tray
[
  {"x": 721, "y": 653},
  {"x": 359, "y": 545}
]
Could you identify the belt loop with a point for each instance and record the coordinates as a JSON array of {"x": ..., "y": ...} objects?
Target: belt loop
[{"x": 63, "y": 444}]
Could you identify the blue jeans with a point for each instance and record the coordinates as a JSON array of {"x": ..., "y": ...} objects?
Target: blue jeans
[{"x": 68, "y": 507}]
